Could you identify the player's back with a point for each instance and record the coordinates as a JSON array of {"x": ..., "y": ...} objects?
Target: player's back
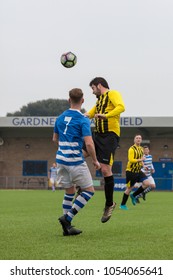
[{"x": 71, "y": 126}]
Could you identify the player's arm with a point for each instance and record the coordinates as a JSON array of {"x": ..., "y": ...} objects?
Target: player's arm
[
  {"x": 55, "y": 138},
  {"x": 152, "y": 168},
  {"x": 132, "y": 159},
  {"x": 91, "y": 150},
  {"x": 91, "y": 113},
  {"x": 116, "y": 99},
  {"x": 56, "y": 133}
]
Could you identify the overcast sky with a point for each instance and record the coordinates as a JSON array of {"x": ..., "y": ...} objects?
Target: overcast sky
[{"x": 128, "y": 42}]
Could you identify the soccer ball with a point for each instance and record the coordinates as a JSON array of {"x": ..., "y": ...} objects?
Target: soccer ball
[{"x": 68, "y": 59}]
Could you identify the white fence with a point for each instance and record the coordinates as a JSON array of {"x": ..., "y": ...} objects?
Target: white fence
[
  {"x": 11, "y": 182},
  {"x": 41, "y": 182}
]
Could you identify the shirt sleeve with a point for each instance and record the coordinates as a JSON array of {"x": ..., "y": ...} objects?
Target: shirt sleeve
[
  {"x": 92, "y": 112},
  {"x": 152, "y": 167},
  {"x": 86, "y": 128},
  {"x": 116, "y": 99},
  {"x": 56, "y": 128}
]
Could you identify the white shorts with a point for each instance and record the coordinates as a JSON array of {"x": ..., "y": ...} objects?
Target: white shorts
[
  {"x": 151, "y": 180},
  {"x": 78, "y": 175},
  {"x": 53, "y": 180}
]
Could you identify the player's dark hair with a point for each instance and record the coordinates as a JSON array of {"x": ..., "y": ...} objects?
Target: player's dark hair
[
  {"x": 137, "y": 134},
  {"x": 99, "y": 80},
  {"x": 75, "y": 95},
  {"x": 145, "y": 147}
]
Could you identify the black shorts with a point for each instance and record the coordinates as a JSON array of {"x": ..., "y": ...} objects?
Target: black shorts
[
  {"x": 105, "y": 146},
  {"x": 133, "y": 178}
]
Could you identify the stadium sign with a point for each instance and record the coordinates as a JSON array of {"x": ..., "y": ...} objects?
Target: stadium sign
[
  {"x": 28, "y": 121},
  {"x": 50, "y": 121}
]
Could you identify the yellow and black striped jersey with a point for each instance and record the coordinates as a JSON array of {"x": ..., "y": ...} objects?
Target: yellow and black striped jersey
[
  {"x": 134, "y": 153},
  {"x": 111, "y": 104}
]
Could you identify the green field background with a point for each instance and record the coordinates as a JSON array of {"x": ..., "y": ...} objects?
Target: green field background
[{"x": 29, "y": 228}]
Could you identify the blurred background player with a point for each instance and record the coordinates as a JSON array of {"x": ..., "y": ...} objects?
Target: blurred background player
[
  {"x": 148, "y": 169},
  {"x": 106, "y": 112},
  {"x": 71, "y": 129},
  {"x": 134, "y": 173},
  {"x": 52, "y": 176}
]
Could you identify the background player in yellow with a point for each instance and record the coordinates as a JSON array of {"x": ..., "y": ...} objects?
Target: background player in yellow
[{"x": 134, "y": 173}]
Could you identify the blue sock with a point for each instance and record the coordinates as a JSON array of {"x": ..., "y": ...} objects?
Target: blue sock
[{"x": 67, "y": 202}]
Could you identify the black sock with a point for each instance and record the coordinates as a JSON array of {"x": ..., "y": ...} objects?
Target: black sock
[
  {"x": 109, "y": 189},
  {"x": 138, "y": 191},
  {"x": 147, "y": 190},
  {"x": 125, "y": 198}
]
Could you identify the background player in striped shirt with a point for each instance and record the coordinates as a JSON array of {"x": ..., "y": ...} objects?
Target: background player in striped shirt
[
  {"x": 52, "y": 176},
  {"x": 148, "y": 169},
  {"x": 71, "y": 129}
]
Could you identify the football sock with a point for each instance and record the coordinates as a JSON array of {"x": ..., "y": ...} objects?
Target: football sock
[
  {"x": 125, "y": 198},
  {"x": 67, "y": 202},
  {"x": 139, "y": 195},
  {"x": 149, "y": 189},
  {"x": 138, "y": 191},
  {"x": 80, "y": 201},
  {"x": 109, "y": 189}
]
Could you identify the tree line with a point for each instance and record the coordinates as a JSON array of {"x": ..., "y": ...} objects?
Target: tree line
[{"x": 49, "y": 107}]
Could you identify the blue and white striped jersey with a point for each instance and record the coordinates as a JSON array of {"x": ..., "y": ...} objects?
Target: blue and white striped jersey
[
  {"x": 71, "y": 126},
  {"x": 148, "y": 164},
  {"x": 53, "y": 172}
]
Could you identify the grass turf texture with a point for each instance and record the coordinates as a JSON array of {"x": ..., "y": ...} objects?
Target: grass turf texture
[{"x": 29, "y": 228}]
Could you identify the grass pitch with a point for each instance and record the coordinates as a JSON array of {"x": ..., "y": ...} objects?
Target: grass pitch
[{"x": 29, "y": 228}]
